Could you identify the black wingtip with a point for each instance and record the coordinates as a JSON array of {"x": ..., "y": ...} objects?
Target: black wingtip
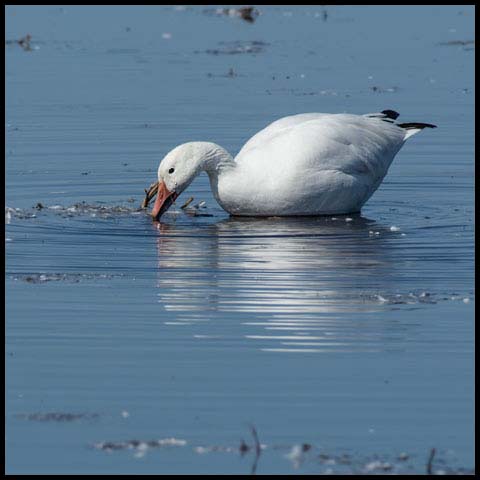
[
  {"x": 391, "y": 114},
  {"x": 416, "y": 125}
]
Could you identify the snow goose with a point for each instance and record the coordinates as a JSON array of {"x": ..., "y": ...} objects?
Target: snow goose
[{"x": 306, "y": 164}]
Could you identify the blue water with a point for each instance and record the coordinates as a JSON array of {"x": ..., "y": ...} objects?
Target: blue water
[{"x": 353, "y": 335}]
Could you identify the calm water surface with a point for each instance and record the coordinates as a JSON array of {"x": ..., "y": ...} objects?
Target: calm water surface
[{"x": 139, "y": 347}]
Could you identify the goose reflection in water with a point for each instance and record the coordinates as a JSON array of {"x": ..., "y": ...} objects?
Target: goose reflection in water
[{"x": 300, "y": 281}]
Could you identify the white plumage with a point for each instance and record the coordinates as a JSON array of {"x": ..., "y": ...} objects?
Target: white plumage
[{"x": 307, "y": 164}]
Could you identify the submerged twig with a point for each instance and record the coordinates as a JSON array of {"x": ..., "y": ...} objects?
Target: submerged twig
[
  {"x": 258, "y": 449},
  {"x": 430, "y": 462},
  {"x": 149, "y": 194}
]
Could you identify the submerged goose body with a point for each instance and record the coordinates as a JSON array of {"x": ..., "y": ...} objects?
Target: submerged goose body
[{"x": 306, "y": 164}]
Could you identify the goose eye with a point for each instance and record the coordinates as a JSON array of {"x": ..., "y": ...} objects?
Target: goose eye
[{"x": 171, "y": 170}]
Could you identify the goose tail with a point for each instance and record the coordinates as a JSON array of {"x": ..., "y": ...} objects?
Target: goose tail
[
  {"x": 414, "y": 127},
  {"x": 410, "y": 128}
]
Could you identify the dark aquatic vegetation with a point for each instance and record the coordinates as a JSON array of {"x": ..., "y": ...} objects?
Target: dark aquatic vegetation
[
  {"x": 237, "y": 47},
  {"x": 298, "y": 454},
  {"x": 77, "y": 209},
  {"x": 384, "y": 89},
  {"x": 458, "y": 42},
  {"x": 24, "y": 42},
  {"x": 39, "y": 278},
  {"x": 230, "y": 74},
  {"x": 18, "y": 213},
  {"x": 249, "y": 14},
  {"x": 57, "y": 416},
  {"x": 139, "y": 445},
  {"x": 404, "y": 299}
]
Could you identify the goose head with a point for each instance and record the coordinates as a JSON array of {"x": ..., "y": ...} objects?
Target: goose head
[
  {"x": 175, "y": 173},
  {"x": 181, "y": 165}
]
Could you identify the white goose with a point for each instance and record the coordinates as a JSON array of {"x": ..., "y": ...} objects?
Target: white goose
[{"x": 307, "y": 164}]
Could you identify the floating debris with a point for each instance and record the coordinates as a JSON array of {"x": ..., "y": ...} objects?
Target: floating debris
[
  {"x": 102, "y": 211},
  {"x": 150, "y": 194},
  {"x": 57, "y": 417},
  {"x": 62, "y": 277},
  {"x": 194, "y": 211},
  {"x": 201, "y": 450},
  {"x": 458, "y": 43},
  {"x": 94, "y": 210},
  {"x": 69, "y": 211},
  {"x": 230, "y": 74},
  {"x": 249, "y": 14},
  {"x": 17, "y": 213},
  {"x": 24, "y": 42},
  {"x": 187, "y": 203},
  {"x": 411, "y": 298},
  {"x": 384, "y": 90},
  {"x": 237, "y": 47},
  {"x": 341, "y": 463},
  {"x": 377, "y": 465},
  {"x": 140, "y": 447},
  {"x": 309, "y": 93},
  {"x": 296, "y": 455}
]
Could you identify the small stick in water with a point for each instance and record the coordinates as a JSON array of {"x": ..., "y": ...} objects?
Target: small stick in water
[
  {"x": 430, "y": 461},
  {"x": 149, "y": 194},
  {"x": 258, "y": 449},
  {"x": 187, "y": 203}
]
